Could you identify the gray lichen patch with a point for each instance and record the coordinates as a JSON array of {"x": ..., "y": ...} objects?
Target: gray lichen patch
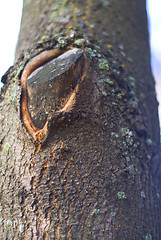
[{"x": 121, "y": 195}]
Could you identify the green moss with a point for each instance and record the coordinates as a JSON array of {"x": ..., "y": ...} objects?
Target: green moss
[
  {"x": 119, "y": 96},
  {"x": 109, "y": 81},
  {"x": 126, "y": 132},
  {"x": 121, "y": 195},
  {"x": 17, "y": 72},
  {"x": 104, "y": 93},
  {"x": 96, "y": 211},
  {"x": 79, "y": 42},
  {"x": 6, "y": 147},
  {"x": 134, "y": 103},
  {"x": 131, "y": 169},
  {"x": 91, "y": 52},
  {"x": 9, "y": 223},
  {"x": 26, "y": 55},
  {"x": 129, "y": 140},
  {"x": 103, "y": 65},
  {"x": 64, "y": 3}
]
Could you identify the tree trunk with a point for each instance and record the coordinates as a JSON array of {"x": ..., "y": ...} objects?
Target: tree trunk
[{"x": 80, "y": 142}]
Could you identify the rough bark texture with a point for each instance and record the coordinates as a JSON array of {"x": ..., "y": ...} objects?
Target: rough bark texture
[{"x": 97, "y": 174}]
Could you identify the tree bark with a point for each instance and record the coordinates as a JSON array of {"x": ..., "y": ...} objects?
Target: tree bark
[{"x": 95, "y": 174}]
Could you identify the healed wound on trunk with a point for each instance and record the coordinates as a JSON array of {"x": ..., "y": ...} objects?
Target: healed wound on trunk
[{"x": 49, "y": 83}]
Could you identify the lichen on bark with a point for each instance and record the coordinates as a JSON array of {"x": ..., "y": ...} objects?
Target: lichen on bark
[{"x": 97, "y": 174}]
